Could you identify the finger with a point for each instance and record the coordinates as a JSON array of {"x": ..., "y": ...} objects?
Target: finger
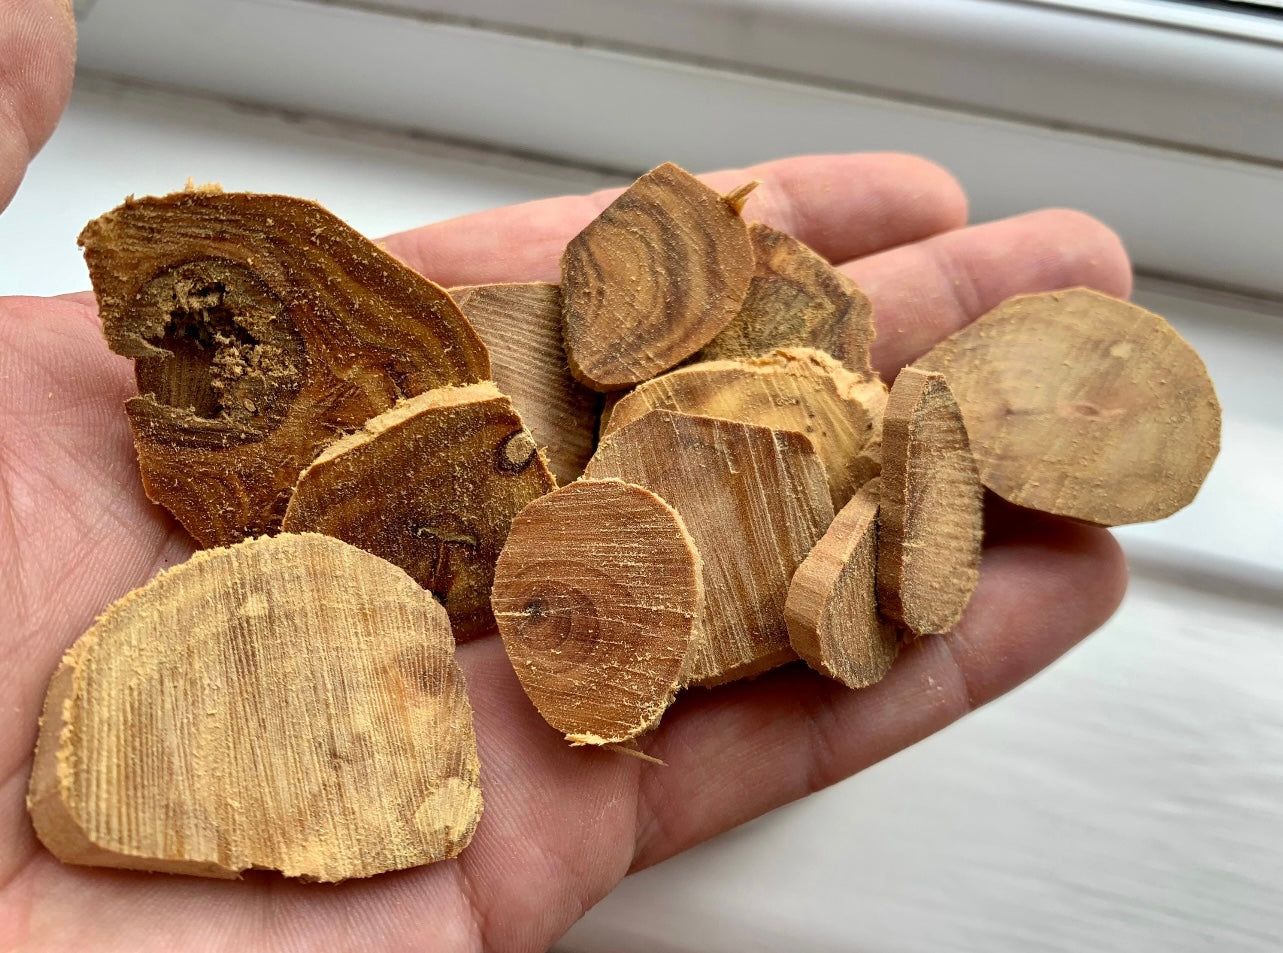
[
  {"x": 924, "y": 292},
  {"x": 843, "y": 206},
  {"x": 740, "y": 751},
  {"x": 37, "y": 58}
]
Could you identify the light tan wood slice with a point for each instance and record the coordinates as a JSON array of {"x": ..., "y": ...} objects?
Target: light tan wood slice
[
  {"x": 931, "y": 513},
  {"x": 262, "y": 327},
  {"x": 796, "y": 299},
  {"x": 797, "y": 389},
  {"x": 755, "y": 500},
  {"x": 652, "y": 279},
  {"x": 288, "y": 703},
  {"x": 832, "y": 606},
  {"x": 432, "y": 486},
  {"x": 1083, "y": 405},
  {"x": 597, "y": 594},
  {"x": 521, "y": 326}
]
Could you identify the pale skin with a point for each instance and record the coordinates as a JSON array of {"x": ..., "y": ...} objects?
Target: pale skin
[{"x": 562, "y": 826}]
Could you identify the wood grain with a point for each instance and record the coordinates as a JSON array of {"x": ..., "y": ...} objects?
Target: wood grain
[
  {"x": 290, "y": 703},
  {"x": 262, "y": 328}
]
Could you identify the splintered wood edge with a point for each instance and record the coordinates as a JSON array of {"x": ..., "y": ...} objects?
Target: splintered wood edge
[{"x": 927, "y": 506}]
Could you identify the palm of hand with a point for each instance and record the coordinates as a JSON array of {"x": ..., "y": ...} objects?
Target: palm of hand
[{"x": 561, "y": 825}]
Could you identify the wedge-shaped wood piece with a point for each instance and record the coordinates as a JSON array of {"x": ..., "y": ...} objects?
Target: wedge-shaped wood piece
[
  {"x": 755, "y": 501},
  {"x": 262, "y": 328},
  {"x": 598, "y": 593},
  {"x": 1083, "y": 405},
  {"x": 521, "y": 326},
  {"x": 796, "y": 299},
  {"x": 289, "y": 703},
  {"x": 431, "y": 485},
  {"x": 792, "y": 389},
  {"x": 931, "y": 512},
  {"x": 832, "y": 606},
  {"x": 652, "y": 279}
]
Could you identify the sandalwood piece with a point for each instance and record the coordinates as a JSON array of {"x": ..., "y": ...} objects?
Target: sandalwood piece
[
  {"x": 931, "y": 512},
  {"x": 793, "y": 389},
  {"x": 652, "y": 279},
  {"x": 796, "y": 299},
  {"x": 1083, "y": 405},
  {"x": 832, "y": 606},
  {"x": 597, "y": 595},
  {"x": 521, "y": 327},
  {"x": 262, "y": 327},
  {"x": 755, "y": 501},
  {"x": 288, "y": 703},
  {"x": 431, "y": 485}
]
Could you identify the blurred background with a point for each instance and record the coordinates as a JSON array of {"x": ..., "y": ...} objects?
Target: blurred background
[{"x": 1130, "y": 798}]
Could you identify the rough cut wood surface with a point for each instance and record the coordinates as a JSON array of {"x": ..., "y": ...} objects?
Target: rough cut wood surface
[
  {"x": 262, "y": 328},
  {"x": 521, "y": 326},
  {"x": 792, "y": 389},
  {"x": 650, "y": 281},
  {"x": 1083, "y": 405},
  {"x": 832, "y": 606},
  {"x": 755, "y": 500},
  {"x": 290, "y": 703},
  {"x": 598, "y": 594},
  {"x": 796, "y": 299},
  {"x": 931, "y": 513},
  {"x": 432, "y": 486}
]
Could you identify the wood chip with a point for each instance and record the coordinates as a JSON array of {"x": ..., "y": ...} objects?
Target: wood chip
[
  {"x": 796, "y": 299},
  {"x": 521, "y": 326},
  {"x": 832, "y": 606},
  {"x": 262, "y": 328},
  {"x": 755, "y": 500},
  {"x": 1083, "y": 405},
  {"x": 652, "y": 279},
  {"x": 931, "y": 515},
  {"x": 793, "y": 389},
  {"x": 289, "y": 703},
  {"x": 598, "y": 593},
  {"x": 432, "y": 486}
]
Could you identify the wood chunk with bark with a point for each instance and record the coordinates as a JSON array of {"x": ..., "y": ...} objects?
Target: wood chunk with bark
[
  {"x": 798, "y": 389},
  {"x": 652, "y": 279},
  {"x": 1083, "y": 405},
  {"x": 262, "y": 328},
  {"x": 521, "y": 326},
  {"x": 755, "y": 501},
  {"x": 796, "y": 299},
  {"x": 289, "y": 703},
  {"x": 431, "y": 485},
  {"x": 598, "y": 594},
  {"x": 832, "y": 606},
  {"x": 931, "y": 513}
]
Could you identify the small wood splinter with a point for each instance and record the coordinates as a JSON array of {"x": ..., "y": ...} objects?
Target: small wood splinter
[
  {"x": 432, "y": 486},
  {"x": 832, "y": 607},
  {"x": 652, "y": 279},
  {"x": 597, "y": 595},
  {"x": 931, "y": 515},
  {"x": 289, "y": 703}
]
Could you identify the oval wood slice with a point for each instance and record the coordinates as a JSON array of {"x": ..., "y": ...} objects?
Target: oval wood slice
[
  {"x": 521, "y": 327},
  {"x": 931, "y": 514},
  {"x": 832, "y": 606},
  {"x": 262, "y": 327},
  {"x": 755, "y": 501},
  {"x": 597, "y": 595},
  {"x": 796, "y": 299},
  {"x": 432, "y": 486},
  {"x": 288, "y": 703},
  {"x": 792, "y": 389},
  {"x": 1083, "y": 405},
  {"x": 652, "y": 279}
]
